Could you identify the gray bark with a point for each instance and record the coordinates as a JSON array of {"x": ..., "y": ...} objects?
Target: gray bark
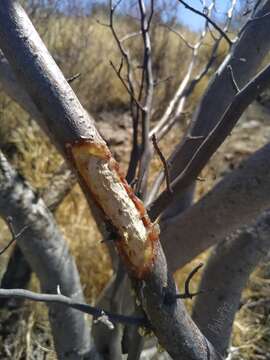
[
  {"x": 67, "y": 122},
  {"x": 227, "y": 271},
  {"x": 46, "y": 251},
  {"x": 234, "y": 201},
  {"x": 245, "y": 58},
  {"x": 9, "y": 85},
  {"x": 18, "y": 271}
]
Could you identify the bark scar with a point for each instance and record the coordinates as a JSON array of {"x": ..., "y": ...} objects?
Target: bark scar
[{"x": 101, "y": 174}]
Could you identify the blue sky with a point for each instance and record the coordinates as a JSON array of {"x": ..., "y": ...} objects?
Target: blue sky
[
  {"x": 192, "y": 20},
  {"x": 187, "y": 17},
  {"x": 195, "y": 21}
]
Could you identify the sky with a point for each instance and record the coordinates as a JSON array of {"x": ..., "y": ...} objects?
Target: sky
[{"x": 195, "y": 22}]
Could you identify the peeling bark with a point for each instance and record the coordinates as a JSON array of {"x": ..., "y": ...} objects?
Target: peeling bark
[
  {"x": 69, "y": 124},
  {"x": 106, "y": 183}
]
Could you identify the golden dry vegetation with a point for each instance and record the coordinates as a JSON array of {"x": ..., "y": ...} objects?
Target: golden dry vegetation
[{"x": 83, "y": 45}]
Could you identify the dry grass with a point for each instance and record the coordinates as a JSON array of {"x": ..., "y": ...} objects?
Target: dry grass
[{"x": 76, "y": 45}]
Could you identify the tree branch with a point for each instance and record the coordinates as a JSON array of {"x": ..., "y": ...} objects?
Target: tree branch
[
  {"x": 213, "y": 23},
  {"x": 245, "y": 61},
  {"x": 228, "y": 269},
  {"x": 75, "y": 134},
  {"x": 70, "y": 303},
  {"x": 215, "y": 138},
  {"x": 46, "y": 251},
  {"x": 235, "y": 200},
  {"x": 15, "y": 235}
]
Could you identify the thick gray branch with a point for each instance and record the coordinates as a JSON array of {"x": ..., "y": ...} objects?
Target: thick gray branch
[
  {"x": 213, "y": 140},
  {"x": 18, "y": 271},
  {"x": 67, "y": 123},
  {"x": 234, "y": 201},
  {"x": 245, "y": 58},
  {"x": 9, "y": 84},
  {"x": 226, "y": 273},
  {"x": 46, "y": 251}
]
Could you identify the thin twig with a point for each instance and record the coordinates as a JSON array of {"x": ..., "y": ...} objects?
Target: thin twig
[
  {"x": 74, "y": 77},
  {"x": 171, "y": 298},
  {"x": 186, "y": 87},
  {"x": 135, "y": 107},
  {"x": 234, "y": 83},
  {"x": 198, "y": 12},
  {"x": 66, "y": 301},
  {"x": 164, "y": 162},
  {"x": 118, "y": 73},
  {"x": 187, "y": 294},
  {"x": 213, "y": 140},
  {"x": 15, "y": 235},
  {"x": 130, "y": 36}
]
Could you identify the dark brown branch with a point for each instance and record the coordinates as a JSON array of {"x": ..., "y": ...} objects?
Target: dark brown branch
[
  {"x": 187, "y": 294},
  {"x": 73, "y": 78},
  {"x": 118, "y": 73},
  {"x": 164, "y": 162}
]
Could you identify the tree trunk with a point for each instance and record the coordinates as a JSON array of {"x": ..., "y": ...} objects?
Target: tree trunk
[{"x": 46, "y": 251}]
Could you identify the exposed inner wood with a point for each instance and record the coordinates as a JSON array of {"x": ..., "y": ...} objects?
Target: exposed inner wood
[{"x": 137, "y": 235}]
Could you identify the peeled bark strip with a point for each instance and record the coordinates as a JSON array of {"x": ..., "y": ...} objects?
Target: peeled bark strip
[
  {"x": 234, "y": 201},
  {"x": 74, "y": 133},
  {"x": 228, "y": 269},
  {"x": 102, "y": 176},
  {"x": 46, "y": 251}
]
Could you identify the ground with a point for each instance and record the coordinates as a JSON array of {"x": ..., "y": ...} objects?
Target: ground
[{"x": 25, "y": 333}]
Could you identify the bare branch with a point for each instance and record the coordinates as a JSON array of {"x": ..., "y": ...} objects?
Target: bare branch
[
  {"x": 188, "y": 294},
  {"x": 99, "y": 174},
  {"x": 245, "y": 62},
  {"x": 69, "y": 302},
  {"x": 118, "y": 73},
  {"x": 213, "y": 23},
  {"x": 147, "y": 74},
  {"x": 233, "y": 79},
  {"x": 46, "y": 251},
  {"x": 164, "y": 162},
  {"x": 15, "y": 235},
  {"x": 134, "y": 102},
  {"x": 235, "y": 200},
  {"x": 186, "y": 87},
  {"x": 215, "y": 138},
  {"x": 228, "y": 269},
  {"x": 73, "y": 78}
]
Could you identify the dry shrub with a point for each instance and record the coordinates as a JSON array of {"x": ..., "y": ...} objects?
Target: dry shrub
[{"x": 80, "y": 44}]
